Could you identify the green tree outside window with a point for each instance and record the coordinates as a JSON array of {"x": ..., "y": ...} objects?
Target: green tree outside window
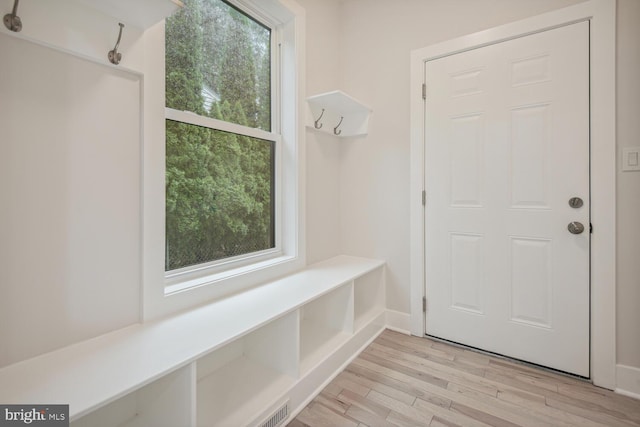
[{"x": 219, "y": 185}]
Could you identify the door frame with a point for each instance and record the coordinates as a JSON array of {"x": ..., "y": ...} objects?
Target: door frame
[{"x": 602, "y": 17}]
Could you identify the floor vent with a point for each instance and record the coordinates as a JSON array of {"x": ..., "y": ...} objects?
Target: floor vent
[{"x": 278, "y": 416}]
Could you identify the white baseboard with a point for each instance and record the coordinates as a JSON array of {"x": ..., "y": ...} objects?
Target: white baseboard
[
  {"x": 399, "y": 321},
  {"x": 628, "y": 381}
]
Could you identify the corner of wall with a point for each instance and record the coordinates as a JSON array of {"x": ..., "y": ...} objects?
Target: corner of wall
[
  {"x": 628, "y": 381},
  {"x": 398, "y": 321}
]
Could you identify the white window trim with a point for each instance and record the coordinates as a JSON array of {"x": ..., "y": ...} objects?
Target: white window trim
[
  {"x": 198, "y": 120},
  {"x": 165, "y": 295},
  {"x": 602, "y": 17},
  {"x": 213, "y": 271}
]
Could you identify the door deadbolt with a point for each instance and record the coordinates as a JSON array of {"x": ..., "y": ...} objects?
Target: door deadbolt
[
  {"x": 575, "y": 227},
  {"x": 575, "y": 202}
]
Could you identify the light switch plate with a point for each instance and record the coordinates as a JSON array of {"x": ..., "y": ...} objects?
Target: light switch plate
[{"x": 631, "y": 159}]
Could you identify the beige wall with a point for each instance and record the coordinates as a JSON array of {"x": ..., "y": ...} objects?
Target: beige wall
[
  {"x": 628, "y": 186},
  {"x": 368, "y": 178},
  {"x": 323, "y": 151}
]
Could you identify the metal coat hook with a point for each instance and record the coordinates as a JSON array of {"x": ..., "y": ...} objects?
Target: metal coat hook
[
  {"x": 335, "y": 129},
  {"x": 317, "y": 123},
  {"x": 114, "y": 55},
  {"x": 12, "y": 20}
]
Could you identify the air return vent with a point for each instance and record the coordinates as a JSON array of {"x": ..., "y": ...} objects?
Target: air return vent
[{"x": 278, "y": 416}]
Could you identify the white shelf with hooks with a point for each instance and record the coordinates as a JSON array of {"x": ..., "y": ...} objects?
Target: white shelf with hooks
[
  {"x": 141, "y": 13},
  {"x": 338, "y": 114}
]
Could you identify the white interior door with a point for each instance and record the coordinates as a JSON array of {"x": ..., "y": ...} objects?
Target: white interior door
[{"x": 507, "y": 147}]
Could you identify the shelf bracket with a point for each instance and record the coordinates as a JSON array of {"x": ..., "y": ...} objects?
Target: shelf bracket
[
  {"x": 12, "y": 20},
  {"x": 317, "y": 124},
  {"x": 114, "y": 56},
  {"x": 335, "y": 129}
]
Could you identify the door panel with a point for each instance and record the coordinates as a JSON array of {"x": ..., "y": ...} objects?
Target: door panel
[{"x": 507, "y": 146}]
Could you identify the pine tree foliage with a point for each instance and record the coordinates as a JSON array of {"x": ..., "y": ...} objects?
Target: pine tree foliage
[{"x": 219, "y": 186}]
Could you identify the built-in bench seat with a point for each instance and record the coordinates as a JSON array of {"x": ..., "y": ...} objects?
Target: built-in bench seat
[{"x": 237, "y": 361}]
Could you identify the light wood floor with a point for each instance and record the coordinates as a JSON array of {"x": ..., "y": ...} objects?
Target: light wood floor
[{"x": 408, "y": 381}]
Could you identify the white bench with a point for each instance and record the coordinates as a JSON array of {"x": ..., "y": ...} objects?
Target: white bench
[{"x": 233, "y": 362}]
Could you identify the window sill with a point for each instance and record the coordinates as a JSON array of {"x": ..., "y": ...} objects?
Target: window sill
[{"x": 217, "y": 278}]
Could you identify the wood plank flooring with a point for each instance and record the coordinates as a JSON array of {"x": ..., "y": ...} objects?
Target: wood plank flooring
[{"x": 409, "y": 381}]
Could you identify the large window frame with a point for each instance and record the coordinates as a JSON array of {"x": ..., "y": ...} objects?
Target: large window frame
[
  {"x": 182, "y": 278},
  {"x": 168, "y": 292}
]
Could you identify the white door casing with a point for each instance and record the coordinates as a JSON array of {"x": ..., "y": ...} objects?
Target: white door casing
[
  {"x": 506, "y": 147},
  {"x": 602, "y": 17}
]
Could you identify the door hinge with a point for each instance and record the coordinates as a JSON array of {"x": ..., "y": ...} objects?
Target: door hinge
[
  {"x": 590, "y": 228},
  {"x": 424, "y": 91},
  {"x": 424, "y": 198},
  {"x": 424, "y": 304}
]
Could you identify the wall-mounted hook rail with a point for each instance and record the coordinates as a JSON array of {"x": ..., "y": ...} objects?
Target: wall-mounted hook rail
[
  {"x": 335, "y": 129},
  {"x": 12, "y": 20},
  {"x": 317, "y": 124},
  {"x": 114, "y": 55}
]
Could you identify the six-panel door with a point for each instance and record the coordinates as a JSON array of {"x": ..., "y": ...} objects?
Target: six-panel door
[{"x": 507, "y": 147}]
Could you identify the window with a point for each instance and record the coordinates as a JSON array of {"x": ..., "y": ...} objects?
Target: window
[
  {"x": 183, "y": 104},
  {"x": 221, "y": 152}
]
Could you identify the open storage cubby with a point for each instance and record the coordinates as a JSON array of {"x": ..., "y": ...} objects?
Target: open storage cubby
[
  {"x": 166, "y": 402},
  {"x": 369, "y": 297},
  {"x": 325, "y": 324},
  {"x": 237, "y": 381}
]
